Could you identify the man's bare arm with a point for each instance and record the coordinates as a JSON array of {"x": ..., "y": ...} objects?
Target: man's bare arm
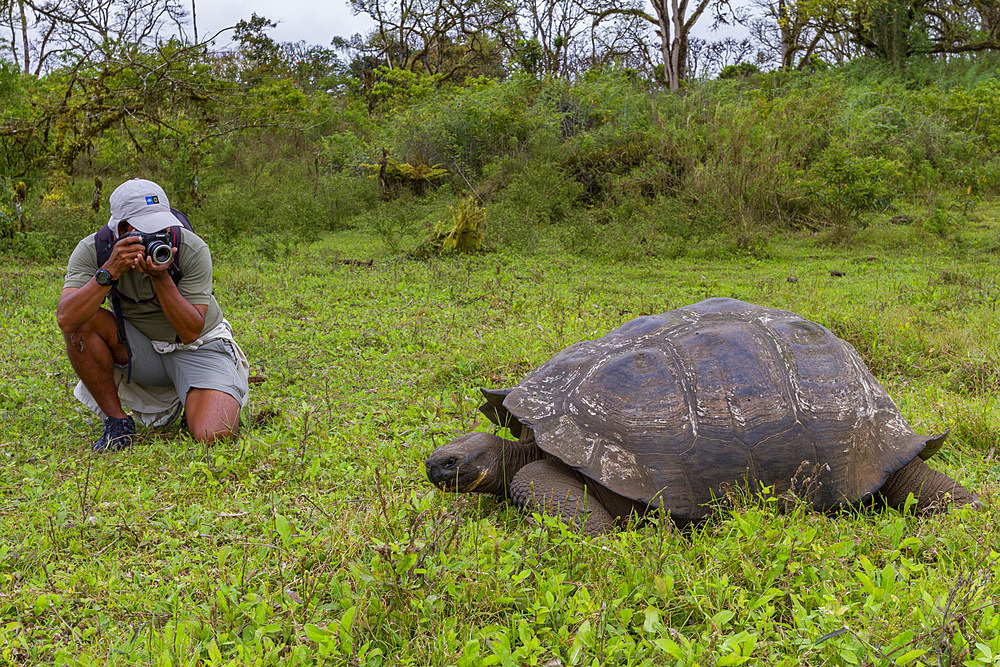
[
  {"x": 187, "y": 319},
  {"x": 78, "y": 304}
]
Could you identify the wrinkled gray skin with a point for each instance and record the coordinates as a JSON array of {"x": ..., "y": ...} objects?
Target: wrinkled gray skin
[
  {"x": 519, "y": 472},
  {"x": 669, "y": 410}
]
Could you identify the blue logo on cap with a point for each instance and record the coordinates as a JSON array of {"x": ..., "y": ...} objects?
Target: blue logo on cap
[{"x": 153, "y": 199}]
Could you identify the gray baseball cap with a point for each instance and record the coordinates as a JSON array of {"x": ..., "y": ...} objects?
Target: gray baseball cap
[{"x": 144, "y": 204}]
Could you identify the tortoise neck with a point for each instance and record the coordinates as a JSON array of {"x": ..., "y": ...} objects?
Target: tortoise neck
[{"x": 512, "y": 456}]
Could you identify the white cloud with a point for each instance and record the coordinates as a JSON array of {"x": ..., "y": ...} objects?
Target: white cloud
[{"x": 305, "y": 20}]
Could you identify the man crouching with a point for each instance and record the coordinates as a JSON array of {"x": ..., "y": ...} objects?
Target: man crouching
[{"x": 164, "y": 345}]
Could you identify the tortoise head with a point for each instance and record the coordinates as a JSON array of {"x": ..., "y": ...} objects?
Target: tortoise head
[{"x": 470, "y": 462}]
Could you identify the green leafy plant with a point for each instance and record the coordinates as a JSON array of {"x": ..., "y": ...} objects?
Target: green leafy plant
[
  {"x": 849, "y": 185},
  {"x": 738, "y": 71},
  {"x": 464, "y": 234}
]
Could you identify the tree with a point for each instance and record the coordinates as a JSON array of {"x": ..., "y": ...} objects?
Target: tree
[
  {"x": 795, "y": 30},
  {"x": 127, "y": 81},
  {"x": 113, "y": 69},
  {"x": 451, "y": 38},
  {"x": 548, "y": 33},
  {"x": 894, "y": 30},
  {"x": 673, "y": 21},
  {"x": 313, "y": 67},
  {"x": 707, "y": 58},
  {"x": 258, "y": 56},
  {"x": 623, "y": 41},
  {"x": 32, "y": 43}
]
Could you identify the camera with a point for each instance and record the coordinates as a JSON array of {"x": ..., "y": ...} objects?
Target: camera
[{"x": 157, "y": 245}]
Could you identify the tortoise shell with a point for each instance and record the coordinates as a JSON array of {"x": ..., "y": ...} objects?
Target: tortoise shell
[{"x": 671, "y": 409}]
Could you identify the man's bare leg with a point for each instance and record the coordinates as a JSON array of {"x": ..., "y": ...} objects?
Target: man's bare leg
[
  {"x": 93, "y": 350},
  {"x": 211, "y": 414}
]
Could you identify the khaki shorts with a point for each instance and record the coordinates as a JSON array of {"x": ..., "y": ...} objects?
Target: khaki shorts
[{"x": 211, "y": 366}]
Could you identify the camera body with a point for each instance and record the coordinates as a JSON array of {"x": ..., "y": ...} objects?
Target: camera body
[{"x": 157, "y": 245}]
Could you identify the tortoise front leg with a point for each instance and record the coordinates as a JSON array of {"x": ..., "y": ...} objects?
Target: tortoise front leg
[
  {"x": 549, "y": 487},
  {"x": 932, "y": 489}
]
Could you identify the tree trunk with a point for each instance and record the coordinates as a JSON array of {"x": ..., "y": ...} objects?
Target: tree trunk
[
  {"x": 784, "y": 26},
  {"x": 663, "y": 29},
  {"x": 676, "y": 45},
  {"x": 194, "y": 20},
  {"x": 24, "y": 38}
]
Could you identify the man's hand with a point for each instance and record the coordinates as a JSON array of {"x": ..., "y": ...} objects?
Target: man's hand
[
  {"x": 126, "y": 254},
  {"x": 152, "y": 269}
]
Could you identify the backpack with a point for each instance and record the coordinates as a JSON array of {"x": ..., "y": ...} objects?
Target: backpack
[{"x": 104, "y": 242}]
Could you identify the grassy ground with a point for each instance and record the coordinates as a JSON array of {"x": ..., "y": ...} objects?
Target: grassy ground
[{"x": 315, "y": 538}]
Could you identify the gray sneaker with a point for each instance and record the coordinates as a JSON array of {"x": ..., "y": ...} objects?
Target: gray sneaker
[{"x": 117, "y": 435}]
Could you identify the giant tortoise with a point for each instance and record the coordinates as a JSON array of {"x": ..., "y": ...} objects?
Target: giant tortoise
[{"x": 669, "y": 411}]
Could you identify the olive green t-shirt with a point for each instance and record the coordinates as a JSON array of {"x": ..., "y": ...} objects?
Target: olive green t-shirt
[{"x": 195, "y": 263}]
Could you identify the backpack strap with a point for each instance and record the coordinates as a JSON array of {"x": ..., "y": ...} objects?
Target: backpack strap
[
  {"x": 175, "y": 242},
  {"x": 104, "y": 242},
  {"x": 183, "y": 218},
  {"x": 116, "y": 308}
]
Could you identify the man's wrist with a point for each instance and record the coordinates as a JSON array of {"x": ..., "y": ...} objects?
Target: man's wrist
[
  {"x": 105, "y": 278},
  {"x": 162, "y": 278},
  {"x": 112, "y": 268}
]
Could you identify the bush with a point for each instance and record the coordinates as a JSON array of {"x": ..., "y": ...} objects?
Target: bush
[
  {"x": 49, "y": 228},
  {"x": 595, "y": 159},
  {"x": 279, "y": 204},
  {"x": 738, "y": 71},
  {"x": 465, "y": 128},
  {"x": 540, "y": 196},
  {"x": 747, "y": 156},
  {"x": 848, "y": 185},
  {"x": 634, "y": 231}
]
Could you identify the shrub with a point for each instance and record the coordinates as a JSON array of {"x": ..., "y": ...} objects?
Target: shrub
[
  {"x": 738, "y": 71},
  {"x": 283, "y": 204},
  {"x": 393, "y": 88},
  {"x": 465, "y": 233},
  {"x": 53, "y": 229},
  {"x": 464, "y": 129},
  {"x": 393, "y": 175},
  {"x": 537, "y": 199},
  {"x": 595, "y": 159},
  {"x": 977, "y": 112},
  {"x": 848, "y": 185},
  {"x": 12, "y": 198},
  {"x": 634, "y": 231}
]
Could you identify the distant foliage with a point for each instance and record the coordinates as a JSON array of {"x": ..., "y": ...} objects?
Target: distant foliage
[
  {"x": 387, "y": 89},
  {"x": 604, "y": 164},
  {"x": 466, "y": 128},
  {"x": 393, "y": 175},
  {"x": 976, "y": 111},
  {"x": 738, "y": 71}
]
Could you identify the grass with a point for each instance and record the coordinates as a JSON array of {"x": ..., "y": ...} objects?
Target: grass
[{"x": 315, "y": 539}]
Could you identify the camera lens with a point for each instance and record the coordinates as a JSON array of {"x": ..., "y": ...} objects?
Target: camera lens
[{"x": 160, "y": 252}]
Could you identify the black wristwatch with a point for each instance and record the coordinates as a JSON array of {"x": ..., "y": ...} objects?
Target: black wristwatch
[{"x": 103, "y": 277}]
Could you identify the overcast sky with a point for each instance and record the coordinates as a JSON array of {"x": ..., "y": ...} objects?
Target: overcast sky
[
  {"x": 319, "y": 21},
  {"x": 314, "y": 21}
]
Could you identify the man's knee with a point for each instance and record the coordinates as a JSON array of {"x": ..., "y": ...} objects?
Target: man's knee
[
  {"x": 210, "y": 434},
  {"x": 212, "y": 415},
  {"x": 98, "y": 330},
  {"x": 211, "y": 430}
]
